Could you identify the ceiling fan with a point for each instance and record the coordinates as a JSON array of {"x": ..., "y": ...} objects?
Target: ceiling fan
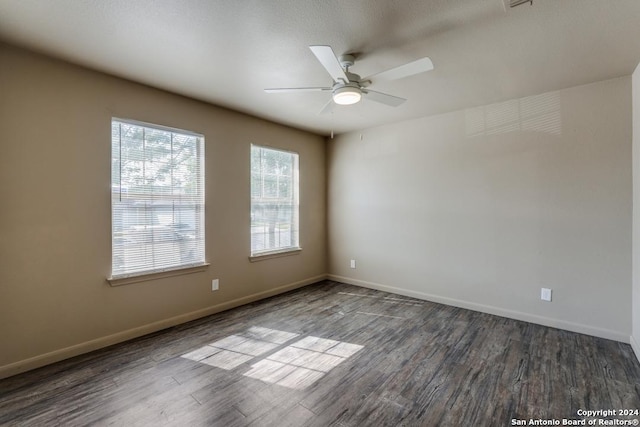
[{"x": 349, "y": 88}]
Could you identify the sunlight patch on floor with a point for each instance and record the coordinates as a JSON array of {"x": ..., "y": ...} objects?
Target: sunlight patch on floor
[{"x": 297, "y": 365}]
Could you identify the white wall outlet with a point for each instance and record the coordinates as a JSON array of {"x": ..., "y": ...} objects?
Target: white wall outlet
[
  {"x": 215, "y": 284},
  {"x": 353, "y": 263},
  {"x": 545, "y": 294}
]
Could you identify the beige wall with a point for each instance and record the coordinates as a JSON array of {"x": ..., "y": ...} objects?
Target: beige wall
[
  {"x": 55, "y": 212},
  {"x": 481, "y": 208},
  {"x": 635, "y": 334}
]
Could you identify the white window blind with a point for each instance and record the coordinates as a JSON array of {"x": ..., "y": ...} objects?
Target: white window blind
[
  {"x": 274, "y": 200},
  {"x": 157, "y": 199}
]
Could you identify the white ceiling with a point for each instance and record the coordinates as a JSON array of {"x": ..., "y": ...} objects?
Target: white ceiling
[{"x": 227, "y": 51}]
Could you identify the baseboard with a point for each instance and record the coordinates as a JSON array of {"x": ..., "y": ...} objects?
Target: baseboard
[
  {"x": 517, "y": 315},
  {"x": 635, "y": 347},
  {"x": 85, "y": 347}
]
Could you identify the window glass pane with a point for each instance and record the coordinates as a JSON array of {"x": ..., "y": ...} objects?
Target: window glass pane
[
  {"x": 274, "y": 200},
  {"x": 157, "y": 190}
]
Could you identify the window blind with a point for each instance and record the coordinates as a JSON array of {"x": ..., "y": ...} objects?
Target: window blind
[
  {"x": 274, "y": 200},
  {"x": 157, "y": 198}
]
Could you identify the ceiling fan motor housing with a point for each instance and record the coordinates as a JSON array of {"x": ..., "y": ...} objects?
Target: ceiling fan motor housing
[{"x": 353, "y": 78}]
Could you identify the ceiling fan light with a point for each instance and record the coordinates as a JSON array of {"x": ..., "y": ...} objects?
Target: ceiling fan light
[{"x": 347, "y": 95}]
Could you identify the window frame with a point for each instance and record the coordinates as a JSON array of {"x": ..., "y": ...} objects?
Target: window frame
[
  {"x": 293, "y": 249},
  {"x": 168, "y": 269}
]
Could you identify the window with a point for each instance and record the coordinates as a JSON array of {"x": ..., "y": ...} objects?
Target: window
[
  {"x": 274, "y": 201},
  {"x": 157, "y": 199}
]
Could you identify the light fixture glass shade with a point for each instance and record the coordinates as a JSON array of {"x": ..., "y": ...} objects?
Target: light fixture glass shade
[{"x": 347, "y": 95}]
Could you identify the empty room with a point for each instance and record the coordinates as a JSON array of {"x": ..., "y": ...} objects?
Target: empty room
[{"x": 319, "y": 213}]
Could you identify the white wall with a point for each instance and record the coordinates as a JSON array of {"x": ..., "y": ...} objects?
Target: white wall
[
  {"x": 635, "y": 336},
  {"x": 481, "y": 208}
]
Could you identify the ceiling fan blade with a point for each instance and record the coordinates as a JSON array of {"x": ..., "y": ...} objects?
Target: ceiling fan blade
[
  {"x": 383, "y": 98},
  {"x": 297, "y": 89},
  {"x": 406, "y": 70},
  {"x": 328, "y": 107},
  {"x": 330, "y": 62}
]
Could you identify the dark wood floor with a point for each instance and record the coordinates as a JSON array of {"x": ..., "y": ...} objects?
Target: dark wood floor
[{"x": 332, "y": 354}]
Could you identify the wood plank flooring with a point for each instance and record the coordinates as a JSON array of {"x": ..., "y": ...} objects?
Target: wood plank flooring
[{"x": 331, "y": 354}]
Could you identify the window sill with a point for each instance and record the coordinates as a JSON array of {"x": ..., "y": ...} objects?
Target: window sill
[
  {"x": 274, "y": 254},
  {"x": 143, "y": 277}
]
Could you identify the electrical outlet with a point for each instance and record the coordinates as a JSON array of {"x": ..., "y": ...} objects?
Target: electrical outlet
[
  {"x": 545, "y": 294},
  {"x": 215, "y": 284},
  {"x": 353, "y": 263}
]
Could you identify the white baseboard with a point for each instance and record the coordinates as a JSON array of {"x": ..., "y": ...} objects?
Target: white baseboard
[
  {"x": 85, "y": 347},
  {"x": 517, "y": 315},
  {"x": 635, "y": 347}
]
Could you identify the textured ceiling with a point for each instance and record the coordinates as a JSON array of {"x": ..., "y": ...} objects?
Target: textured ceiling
[{"x": 227, "y": 51}]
